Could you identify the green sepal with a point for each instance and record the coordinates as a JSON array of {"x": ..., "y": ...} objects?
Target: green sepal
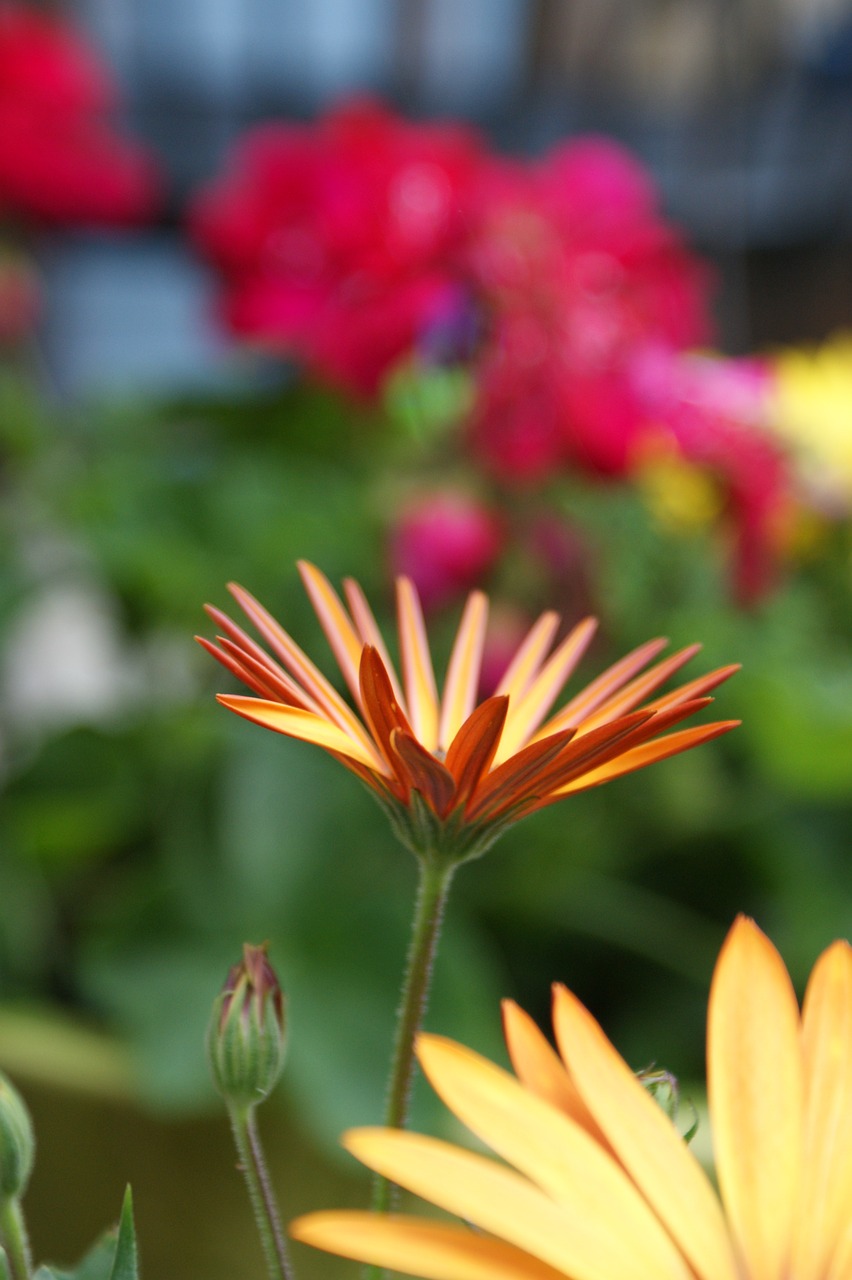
[{"x": 114, "y": 1256}]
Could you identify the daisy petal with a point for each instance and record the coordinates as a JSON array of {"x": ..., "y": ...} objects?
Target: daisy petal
[
  {"x": 462, "y": 682},
  {"x": 644, "y": 1140},
  {"x": 635, "y": 691},
  {"x": 346, "y": 645},
  {"x": 576, "y": 1237},
  {"x": 296, "y": 723},
  {"x": 433, "y": 1250},
  {"x": 472, "y": 749},
  {"x": 755, "y": 1091},
  {"x": 826, "y": 1191},
  {"x": 576, "y": 711},
  {"x": 428, "y": 776},
  {"x": 381, "y": 709},
  {"x": 695, "y": 688},
  {"x": 527, "y": 661},
  {"x": 368, "y": 630},
  {"x": 510, "y": 781},
  {"x": 540, "y": 1069},
  {"x": 421, "y": 693},
  {"x": 638, "y": 757},
  {"x": 527, "y": 711}
]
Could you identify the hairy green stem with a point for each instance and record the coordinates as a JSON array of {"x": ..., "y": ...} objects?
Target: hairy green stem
[
  {"x": 13, "y": 1235},
  {"x": 432, "y": 891},
  {"x": 266, "y": 1216}
]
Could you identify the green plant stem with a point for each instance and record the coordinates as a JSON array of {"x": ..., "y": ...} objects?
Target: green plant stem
[
  {"x": 266, "y": 1216},
  {"x": 432, "y": 891},
  {"x": 13, "y": 1235}
]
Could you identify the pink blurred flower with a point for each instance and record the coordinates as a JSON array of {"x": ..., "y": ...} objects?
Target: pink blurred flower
[
  {"x": 337, "y": 240},
  {"x": 60, "y": 160},
  {"x": 445, "y": 542}
]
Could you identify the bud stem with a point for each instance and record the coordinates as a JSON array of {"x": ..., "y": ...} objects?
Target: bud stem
[
  {"x": 254, "y": 1170},
  {"x": 14, "y": 1238}
]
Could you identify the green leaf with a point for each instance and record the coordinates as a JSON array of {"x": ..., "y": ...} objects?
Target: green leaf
[
  {"x": 113, "y": 1257},
  {"x": 126, "y": 1263}
]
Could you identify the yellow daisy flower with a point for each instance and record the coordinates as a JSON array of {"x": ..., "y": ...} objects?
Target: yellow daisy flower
[
  {"x": 596, "y": 1183},
  {"x": 451, "y": 773}
]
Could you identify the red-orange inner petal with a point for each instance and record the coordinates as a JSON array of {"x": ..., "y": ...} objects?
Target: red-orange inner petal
[{"x": 472, "y": 750}]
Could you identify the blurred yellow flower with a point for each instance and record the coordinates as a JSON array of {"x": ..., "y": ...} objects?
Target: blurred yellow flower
[
  {"x": 596, "y": 1183},
  {"x": 812, "y": 409},
  {"x": 453, "y": 774}
]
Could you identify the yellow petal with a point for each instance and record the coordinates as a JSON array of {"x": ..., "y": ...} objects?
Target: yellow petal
[
  {"x": 529, "y": 656},
  {"x": 636, "y": 690},
  {"x": 296, "y": 723},
  {"x": 336, "y": 623},
  {"x": 434, "y": 1250},
  {"x": 540, "y": 1069},
  {"x": 606, "y": 684},
  {"x": 527, "y": 711},
  {"x": 755, "y": 1089},
  {"x": 461, "y": 684},
  {"x": 421, "y": 693},
  {"x": 825, "y": 1201},
  {"x": 368, "y": 630},
  {"x": 671, "y": 744},
  {"x": 550, "y": 1148},
  {"x": 576, "y": 1238},
  {"x": 644, "y": 1140}
]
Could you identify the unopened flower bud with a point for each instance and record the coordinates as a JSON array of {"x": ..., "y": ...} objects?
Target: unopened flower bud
[
  {"x": 246, "y": 1041},
  {"x": 17, "y": 1143}
]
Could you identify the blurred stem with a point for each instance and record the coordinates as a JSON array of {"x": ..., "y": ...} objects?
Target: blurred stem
[
  {"x": 432, "y": 891},
  {"x": 13, "y": 1233},
  {"x": 254, "y": 1170}
]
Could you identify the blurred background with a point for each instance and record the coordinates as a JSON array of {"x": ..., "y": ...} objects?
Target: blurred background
[{"x": 621, "y": 383}]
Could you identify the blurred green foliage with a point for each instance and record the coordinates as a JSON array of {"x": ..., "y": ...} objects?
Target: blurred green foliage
[{"x": 146, "y": 838}]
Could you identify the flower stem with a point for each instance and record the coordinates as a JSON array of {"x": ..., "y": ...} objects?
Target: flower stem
[
  {"x": 13, "y": 1236},
  {"x": 266, "y": 1216},
  {"x": 432, "y": 891}
]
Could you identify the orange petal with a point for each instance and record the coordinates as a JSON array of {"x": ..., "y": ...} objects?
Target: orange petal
[
  {"x": 755, "y": 1091},
  {"x": 529, "y": 656},
  {"x": 636, "y": 690},
  {"x": 574, "y": 1236},
  {"x": 472, "y": 749},
  {"x": 695, "y": 688},
  {"x": 649, "y": 753},
  {"x": 346, "y": 645},
  {"x": 575, "y": 711},
  {"x": 296, "y": 723},
  {"x": 299, "y": 664},
  {"x": 825, "y": 1201},
  {"x": 368, "y": 630},
  {"x": 462, "y": 682},
  {"x": 421, "y": 693},
  {"x": 381, "y": 710},
  {"x": 644, "y": 1140},
  {"x": 428, "y": 776},
  {"x": 511, "y": 781},
  {"x": 541, "y": 1070},
  {"x": 434, "y": 1250},
  {"x": 527, "y": 711}
]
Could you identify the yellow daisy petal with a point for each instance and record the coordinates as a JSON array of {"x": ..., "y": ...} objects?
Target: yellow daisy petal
[
  {"x": 421, "y": 694},
  {"x": 755, "y": 1089},
  {"x": 346, "y": 645},
  {"x": 526, "y": 663},
  {"x": 826, "y": 1193},
  {"x": 544, "y": 1144},
  {"x": 644, "y": 1140},
  {"x": 368, "y": 630},
  {"x": 296, "y": 723},
  {"x": 461, "y": 684},
  {"x": 434, "y": 1250},
  {"x": 527, "y": 711},
  {"x": 576, "y": 1238}
]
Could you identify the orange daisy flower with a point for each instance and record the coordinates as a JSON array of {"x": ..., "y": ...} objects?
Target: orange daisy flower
[
  {"x": 451, "y": 773},
  {"x": 596, "y": 1183}
]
